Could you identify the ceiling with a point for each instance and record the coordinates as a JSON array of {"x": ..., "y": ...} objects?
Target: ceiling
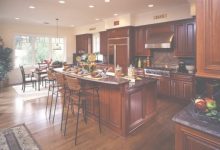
[{"x": 75, "y": 12}]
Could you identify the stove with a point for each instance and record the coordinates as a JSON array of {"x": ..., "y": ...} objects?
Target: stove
[{"x": 165, "y": 72}]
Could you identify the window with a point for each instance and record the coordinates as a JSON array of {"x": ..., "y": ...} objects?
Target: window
[
  {"x": 96, "y": 42},
  {"x": 30, "y": 50}
]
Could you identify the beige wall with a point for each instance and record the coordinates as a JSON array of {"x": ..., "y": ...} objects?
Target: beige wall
[
  {"x": 8, "y": 30},
  {"x": 143, "y": 18}
]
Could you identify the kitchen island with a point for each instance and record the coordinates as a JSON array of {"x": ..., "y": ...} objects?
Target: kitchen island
[
  {"x": 194, "y": 131},
  {"x": 124, "y": 106}
]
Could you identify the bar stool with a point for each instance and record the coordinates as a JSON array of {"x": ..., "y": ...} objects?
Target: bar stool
[
  {"x": 61, "y": 89},
  {"x": 51, "y": 79},
  {"x": 78, "y": 96}
]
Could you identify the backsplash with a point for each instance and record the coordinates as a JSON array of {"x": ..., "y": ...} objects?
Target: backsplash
[{"x": 166, "y": 58}]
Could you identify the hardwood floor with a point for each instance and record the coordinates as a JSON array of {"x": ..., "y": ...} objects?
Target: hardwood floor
[{"x": 156, "y": 135}]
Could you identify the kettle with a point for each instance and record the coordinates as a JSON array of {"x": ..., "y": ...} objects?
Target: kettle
[{"x": 182, "y": 67}]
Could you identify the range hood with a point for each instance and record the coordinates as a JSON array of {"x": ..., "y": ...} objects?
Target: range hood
[{"x": 159, "y": 40}]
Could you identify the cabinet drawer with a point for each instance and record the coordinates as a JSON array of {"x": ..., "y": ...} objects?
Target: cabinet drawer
[
  {"x": 120, "y": 32},
  {"x": 182, "y": 77},
  {"x": 118, "y": 41}
]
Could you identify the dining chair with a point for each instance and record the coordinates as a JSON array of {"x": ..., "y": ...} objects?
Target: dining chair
[
  {"x": 27, "y": 79},
  {"x": 78, "y": 96}
]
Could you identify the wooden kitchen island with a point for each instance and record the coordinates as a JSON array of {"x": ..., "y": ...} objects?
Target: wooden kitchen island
[{"x": 124, "y": 107}]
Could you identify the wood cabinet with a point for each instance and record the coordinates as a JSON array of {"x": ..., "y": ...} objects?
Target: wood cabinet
[
  {"x": 182, "y": 86},
  {"x": 163, "y": 86},
  {"x": 140, "y": 34},
  {"x": 84, "y": 43},
  {"x": 190, "y": 139},
  {"x": 122, "y": 40},
  {"x": 208, "y": 37},
  {"x": 103, "y": 42},
  {"x": 185, "y": 36}
]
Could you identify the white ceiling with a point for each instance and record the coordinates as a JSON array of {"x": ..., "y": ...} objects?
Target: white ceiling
[{"x": 75, "y": 12}]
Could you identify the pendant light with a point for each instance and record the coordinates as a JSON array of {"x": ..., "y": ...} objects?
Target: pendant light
[{"x": 57, "y": 46}]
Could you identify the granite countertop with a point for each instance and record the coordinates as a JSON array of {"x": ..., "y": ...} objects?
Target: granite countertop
[
  {"x": 142, "y": 82},
  {"x": 108, "y": 80},
  {"x": 192, "y": 119}
]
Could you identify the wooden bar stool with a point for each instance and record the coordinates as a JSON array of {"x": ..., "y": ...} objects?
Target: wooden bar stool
[
  {"x": 78, "y": 96},
  {"x": 61, "y": 89},
  {"x": 51, "y": 79}
]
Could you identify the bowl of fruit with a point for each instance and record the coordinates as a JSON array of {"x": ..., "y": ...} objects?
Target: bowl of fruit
[{"x": 208, "y": 108}]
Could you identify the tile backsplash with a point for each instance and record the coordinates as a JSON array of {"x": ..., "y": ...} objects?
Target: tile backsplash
[{"x": 166, "y": 58}]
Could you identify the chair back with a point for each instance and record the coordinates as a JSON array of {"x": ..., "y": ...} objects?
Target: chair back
[
  {"x": 42, "y": 66},
  {"x": 73, "y": 83},
  {"x": 22, "y": 73},
  {"x": 51, "y": 75},
  {"x": 60, "y": 79}
]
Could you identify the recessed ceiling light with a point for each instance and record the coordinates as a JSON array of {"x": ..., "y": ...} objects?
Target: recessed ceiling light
[
  {"x": 115, "y": 14},
  {"x": 150, "y": 5},
  {"x": 97, "y": 19},
  {"x": 72, "y": 25},
  {"x": 91, "y": 6},
  {"x": 107, "y": 1},
  {"x": 17, "y": 18},
  {"x": 62, "y": 2},
  {"x": 31, "y": 7}
]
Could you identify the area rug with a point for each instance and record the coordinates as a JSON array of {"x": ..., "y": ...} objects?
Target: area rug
[
  {"x": 30, "y": 93},
  {"x": 17, "y": 138}
]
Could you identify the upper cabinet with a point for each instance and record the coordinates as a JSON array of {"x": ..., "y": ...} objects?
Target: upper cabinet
[
  {"x": 103, "y": 42},
  {"x": 84, "y": 43},
  {"x": 208, "y": 38},
  {"x": 140, "y": 34},
  {"x": 185, "y": 34}
]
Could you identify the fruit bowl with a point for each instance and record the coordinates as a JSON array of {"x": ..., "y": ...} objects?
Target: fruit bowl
[{"x": 207, "y": 108}]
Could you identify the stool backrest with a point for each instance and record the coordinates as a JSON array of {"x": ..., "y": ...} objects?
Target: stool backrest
[
  {"x": 60, "y": 79},
  {"x": 51, "y": 75},
  {"x": 73, "y": 83}
]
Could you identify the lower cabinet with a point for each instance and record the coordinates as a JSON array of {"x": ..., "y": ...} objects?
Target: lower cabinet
[
  {"x": 190, "y": 139},
  {"x": 180, "y": 86},
  {"x": 163, "y": 86}
]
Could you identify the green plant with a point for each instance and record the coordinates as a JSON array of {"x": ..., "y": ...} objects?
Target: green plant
[{"x": 5, "y": 61}]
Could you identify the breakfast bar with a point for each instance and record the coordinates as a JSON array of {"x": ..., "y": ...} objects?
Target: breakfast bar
[{"x": 124, "y": 106}]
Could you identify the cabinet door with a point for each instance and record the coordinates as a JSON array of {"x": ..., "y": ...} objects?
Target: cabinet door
[
  {"x": 185, "y": 39},
  {"x": 140, "y": 40},
  {"x": 187, "y": 90},
  {"x": 190, "y": 139},
  {"x": 103, "y": 42},
  {"x": 208, "y": 37},
  {"x": 122, "y": 57},
  {"x": 163, "y": 86},
  {"x": 84, "y": 43}
]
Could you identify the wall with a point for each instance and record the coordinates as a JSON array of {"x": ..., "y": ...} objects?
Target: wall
[
  {"x": 142, "y": 18},
  {"x": 8, "y": 30},
  {"x": 173, "y": 13}
]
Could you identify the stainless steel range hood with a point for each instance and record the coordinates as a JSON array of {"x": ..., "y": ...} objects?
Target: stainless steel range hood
[{"x": 159, "y": 40}]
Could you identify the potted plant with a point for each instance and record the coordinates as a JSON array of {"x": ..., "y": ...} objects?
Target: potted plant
[{"x": 5, "y": 62}]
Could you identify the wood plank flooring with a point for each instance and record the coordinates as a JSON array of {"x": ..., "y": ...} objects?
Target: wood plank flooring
[{"x": 156, "y": 135}]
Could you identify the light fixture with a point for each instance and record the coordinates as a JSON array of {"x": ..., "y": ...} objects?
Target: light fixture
[
  {"x": 150, "y": 5},
  {"x": 91, "y": 6},
  {"x": 17, "y": 18},
  {"x": 62, "y": 2},
  {"x": 107, "y": 1},
  {"x": 97, "y": 19},
  {"x": 31, "y": 7},
  {"x": 57, "y": 46},
  {"x": 115, "y": 14}
]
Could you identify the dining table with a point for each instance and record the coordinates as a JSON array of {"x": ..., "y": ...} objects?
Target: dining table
[{"x": 39, "y": 73}]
